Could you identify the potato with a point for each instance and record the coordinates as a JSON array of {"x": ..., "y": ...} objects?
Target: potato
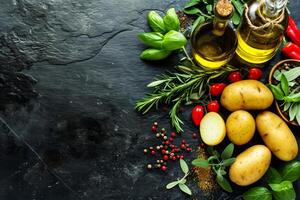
[
  {"x": 246, "y": 95},
  {"x": 250, "y": 165},
  {"x": 277, "y": 136},
  {"x": 212, "y": 129},
  {"x": 240, "y": 127}
]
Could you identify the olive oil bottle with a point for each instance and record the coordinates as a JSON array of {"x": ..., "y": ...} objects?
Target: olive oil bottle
[
  {"x": 214, "y": 43},
  {"x": 261, "y": 30}
]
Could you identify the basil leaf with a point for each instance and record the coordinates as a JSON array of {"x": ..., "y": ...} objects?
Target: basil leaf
[
  {"x": 152, "y": 39},
  {"x": 154, "y": 54},
  {"x": 192, "y": 11},
  {"x": 172, "y": 184},
  {"x": 278, "y": 94},
  {"x": 200, "y": 163},
  {"x": 209, "y": 8},
  {"x": 273, "y": 176},
  {"x": 185, "y": 189},
  {"x": 257, "y": 193},
  {"x": 228, "y": 162},
  {"x": 228, "y": 151},
  {"x": 174, "y": 40},
  {"x": 225, "y": 185},
  {"x": 171, "y": 20},
  {"x": 197, "y": 22},
  {"x": 293, "y": 111},
  {"x": 284, "y": 85},
  {"x": 236, "y": 18},
  {"x": 184, "y": 166},
  {"x": 156, "y": 22},
  {"x": 283, "y": 191},
  {"x": 291, "y": 171},
  {"x": 191, "y": 3}
]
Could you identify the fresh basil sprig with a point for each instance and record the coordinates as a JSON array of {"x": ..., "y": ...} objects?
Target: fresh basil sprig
[
  {"x": 218, "y": 163},
  {"x": 280, "y": 183},
  {"x": 181, "y": 182},
  {"x": 162, "y": 45}
]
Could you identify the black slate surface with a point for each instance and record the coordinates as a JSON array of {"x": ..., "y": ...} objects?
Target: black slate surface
[{"x": 69, "y": 77}]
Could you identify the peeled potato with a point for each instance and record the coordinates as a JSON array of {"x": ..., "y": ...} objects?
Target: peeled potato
[
  {"x": 240, "y": 127},
  {"x": 212, "y": 129},
  {"x": 250, "y": 165}
]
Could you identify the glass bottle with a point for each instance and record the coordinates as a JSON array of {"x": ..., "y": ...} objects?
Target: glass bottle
[
  {"x": 214, "y": 43},
  {"x": 261, "y": 30}
]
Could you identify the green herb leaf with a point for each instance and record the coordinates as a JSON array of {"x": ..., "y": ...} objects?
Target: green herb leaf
[
  {"x": 184, "y": 166},
  {"x": 292, "y": 74},
  {"x": 174, "y": 40},
  {"x": 192, "y": 11},
  {"x": 257, "y": 193},
  {"x": 191, "y": 3},
  {"x": 171, "y": 20},
  {"x": 197, "y": 22},
  {"x": 156, "y": 22},
  {"x": 278, "y": 94},
  {"x": 298, "y": 113},
  {"x": 293, "y": 111},
  {"x": 211, "y": 151},
  {"x": 228, "y": 151},
  {"x": 200, "y": 163},
  {"x": 284, "y": 85},
  {"x": 172, "y": 184},
  {"x": 277, "y": 75},
  {"x": 273, "y": 176},
  {"x": 286, "y": 106},
  {"x": 293, "y": 98},
  {"x": 283, "y": 191},
  {"x": 154, "y": 54},
  {"x": 184, "y": 188},
  {"x": 183, "y": 181},
  {"x": 291, "y": 171},
  {"x": 152, "y": 39},
  {"x": 239, "y": 7},
  {"x": 209, "y": 8},
  {"x": 156, "y": 83},
  {"x": 236, "y": 18},
  {"x": 223, "y": 182},
  {"x": 228, "y": 162}
]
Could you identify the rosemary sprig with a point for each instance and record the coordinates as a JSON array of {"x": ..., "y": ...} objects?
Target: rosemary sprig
[{"x": 185, "y": 86}]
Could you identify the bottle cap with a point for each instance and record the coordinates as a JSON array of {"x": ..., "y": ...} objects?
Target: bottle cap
[{"x": 224, "y": 8}]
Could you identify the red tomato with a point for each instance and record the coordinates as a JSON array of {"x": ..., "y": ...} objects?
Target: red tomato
[
  {"x": 235, "y": 76},
  {"x": 213, "y": 106},
  {"x": 197, "y": 114},
  {"x": 216, "y": 89},
  {"x": 255, "y": 73}
]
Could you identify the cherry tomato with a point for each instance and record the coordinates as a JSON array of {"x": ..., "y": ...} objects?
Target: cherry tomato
[
  {"x": 197, "y": 114},
  {"x": 213, "y": 106},
  {"x": 235, "y": 76},
  {"x": 255, "y": 73},
  {"x": 216, "y": 89}
]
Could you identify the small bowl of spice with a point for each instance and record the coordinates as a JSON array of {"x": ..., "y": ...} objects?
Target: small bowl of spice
[{"x": 284, "y": 81}]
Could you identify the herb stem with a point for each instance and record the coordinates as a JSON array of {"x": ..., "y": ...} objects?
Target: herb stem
[{"x": 187, "y": 55}]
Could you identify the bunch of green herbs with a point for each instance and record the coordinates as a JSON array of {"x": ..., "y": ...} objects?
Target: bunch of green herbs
[{"x": 218, "y": 163}]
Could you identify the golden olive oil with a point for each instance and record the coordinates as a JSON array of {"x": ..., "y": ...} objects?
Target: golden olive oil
[{"x": 261, "y": 30}]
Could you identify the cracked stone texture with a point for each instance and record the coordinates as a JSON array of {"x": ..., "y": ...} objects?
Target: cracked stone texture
[{"x": 69, "y": 77}]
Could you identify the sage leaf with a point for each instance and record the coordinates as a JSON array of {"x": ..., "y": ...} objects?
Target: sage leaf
[
  {"x": 236, "y": 18},
  {"x": 284, "y": 85},
  {"x": 223, "y": 182},
  {"x": 191, "y": 3},
  {"x": 184, "y": 166},
  {"x": 184, "y": 188},
  {"x": 273, "y": 176},
  {"x": 257, "y": 193},
  {"x": 171, "y": 20},
  {"x": 156, "y": 22},
  {"x": 154, "y": 54},
  {"x": 292, "y": 74},
  {"x": 228, "y": 162},
  {"x": 277, "y": 75},
  {"x": 291, "y": 171},
  {"x": 298, "y": 113},
  {"x": 278, "y": 94},
  {"x": 152, "y": 39},
  {"x": 228, "y": 151},
  {"x": 293, "y": 98},
  {"x": 200, "y": 20},
  {"x": 156, "y": 83},
  {"x": 286, "y": 106},
  {"x": 172, "y": 184},
  {"x": 183, "y": 181},
  {"x": 174, "y": 40},
  {"x": 283, "y": 191},
  {"x": 200, "y": 163},
  {"x": 293, "y": 111}
]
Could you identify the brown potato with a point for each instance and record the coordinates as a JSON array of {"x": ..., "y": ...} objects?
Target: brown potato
[
  {"x": 277, "y": 136},
  {"x": 246, "y": 95},
  {"x": 250, "y": 165},
  {"x": 240, "y": 127}
]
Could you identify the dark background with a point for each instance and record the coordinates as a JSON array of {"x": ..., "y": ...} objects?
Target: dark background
[{"x": 70, "y": 74}]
